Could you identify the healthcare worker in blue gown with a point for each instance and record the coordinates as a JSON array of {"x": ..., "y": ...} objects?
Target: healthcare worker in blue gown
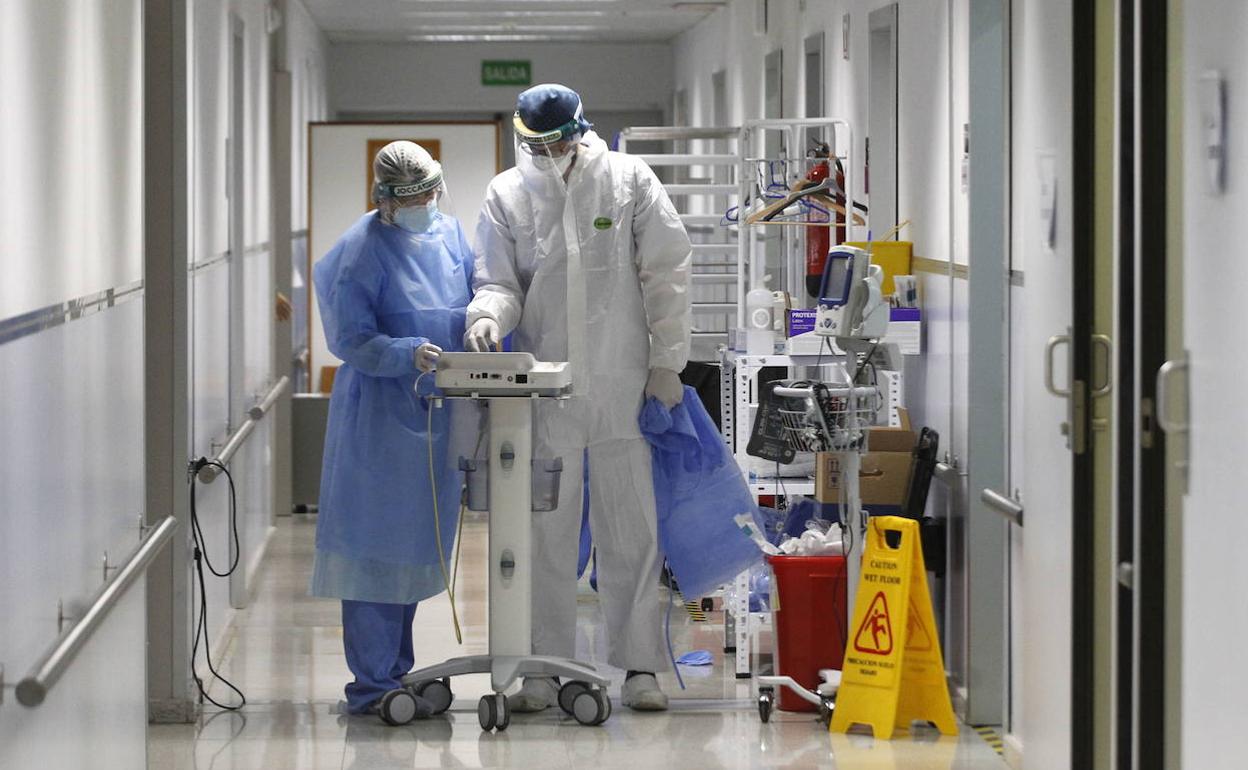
[{"x": 392, "y": 294}]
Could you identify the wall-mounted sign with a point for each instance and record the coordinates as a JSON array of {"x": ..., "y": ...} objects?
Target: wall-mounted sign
[
  {"x": 506, "y": 73},
  {"x": 1046, "y": 182},
  {"x": 1212, "y": 110}
]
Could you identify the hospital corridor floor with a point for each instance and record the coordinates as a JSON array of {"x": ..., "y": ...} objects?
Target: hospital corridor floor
[{"x": 285, "y": 653}]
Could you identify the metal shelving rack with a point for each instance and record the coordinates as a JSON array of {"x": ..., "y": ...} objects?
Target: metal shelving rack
[
  {"x": 739, "y": 372},
  {"x": 701, "y": 202}
]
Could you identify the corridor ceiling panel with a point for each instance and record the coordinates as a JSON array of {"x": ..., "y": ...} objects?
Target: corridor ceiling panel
[{"x": 488, "y": 21}]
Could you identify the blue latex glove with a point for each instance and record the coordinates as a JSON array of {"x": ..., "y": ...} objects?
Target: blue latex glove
[{"x": 695, "y": 658}]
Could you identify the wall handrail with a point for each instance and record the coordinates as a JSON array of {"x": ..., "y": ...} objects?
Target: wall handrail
[
  {"x": 44, "y": 674},
  {"x": 262, "y": 408},
  {"x": 1008, "y": 508},
  {"x": 209, "y": 472}
]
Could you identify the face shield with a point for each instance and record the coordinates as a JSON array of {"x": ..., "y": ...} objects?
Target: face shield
[
  {"x": 408, "y": 187},
  {"x": 549, "y": 152},
  {"x": 412, "y": 207}
]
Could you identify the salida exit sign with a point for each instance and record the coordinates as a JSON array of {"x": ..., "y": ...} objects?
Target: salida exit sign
[{"x": 506, "y": 73}]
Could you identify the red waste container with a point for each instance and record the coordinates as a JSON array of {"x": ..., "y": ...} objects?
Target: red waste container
[{"x": 808, "y": 615}]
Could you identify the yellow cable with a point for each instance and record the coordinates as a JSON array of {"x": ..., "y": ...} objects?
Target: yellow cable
[
  {"x": 437, "y": 523},
  {"x": 459, "y": 529}
]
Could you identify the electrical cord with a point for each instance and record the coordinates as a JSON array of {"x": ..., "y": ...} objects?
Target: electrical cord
[
  {"x": 667, "y": 630},
  {"x": 437, "y": 516},
  {"x": 201, "y": 559}
]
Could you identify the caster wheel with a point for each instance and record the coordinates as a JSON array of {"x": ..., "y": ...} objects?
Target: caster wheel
[
  {"x": 504, "y": 712},
  {"x": 568, "y": 693},
  {"x": 438, "y": 693},
  {"x": 766, "y": 699},
  {"x": 825, "y": 710},
  {"x": 492, "y": 712},
  {"x": 397, "y": 707},
  {"x": 591, "y": 707},
  {"x": 487, "y": 712}
]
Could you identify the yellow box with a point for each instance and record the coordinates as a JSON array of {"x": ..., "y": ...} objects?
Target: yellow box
[{"x": 894, "y": 256}]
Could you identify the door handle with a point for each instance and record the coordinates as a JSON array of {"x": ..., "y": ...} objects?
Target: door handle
[
  {"x": 1049, "y": 348},
  {"x": 1106, "y": 344},
  {"x": 1165, "y": 420},
  {"x": 1010, "y": 509}
]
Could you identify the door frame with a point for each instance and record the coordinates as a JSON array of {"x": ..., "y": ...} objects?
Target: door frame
[
  {"x": 1082, "y": 507},
  {"x": 1150, "y": 531}
]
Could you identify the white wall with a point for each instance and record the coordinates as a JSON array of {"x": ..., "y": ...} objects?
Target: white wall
[
  {"x": 71, "y": 396},
  {"x": 1041, "y": 74},
  {"x": 340, "y": 186},
  {"x": 213, "y": 309},
  {"x": 1214, "y": 530},
  {"x": 306, "y": 59},
  {"x": 727, "y": 40},
  {"x": 442, "y": 78}
]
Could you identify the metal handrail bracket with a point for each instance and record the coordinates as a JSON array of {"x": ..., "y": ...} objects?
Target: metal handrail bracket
[
  {"x": 44, "y": 674},
  {"x": 1003, "y": 505},
  {"x": 947, "y": 473}
]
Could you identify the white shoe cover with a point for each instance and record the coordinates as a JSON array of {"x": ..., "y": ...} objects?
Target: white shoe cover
[
  {"x": 642, "y": 693},
  {"x": 536, "y": 694}
]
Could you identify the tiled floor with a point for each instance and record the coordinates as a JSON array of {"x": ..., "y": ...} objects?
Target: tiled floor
[{"x": 287, "y": 657}]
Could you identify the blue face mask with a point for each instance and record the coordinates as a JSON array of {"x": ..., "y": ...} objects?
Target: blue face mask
[{"x": 416, "y": 219}]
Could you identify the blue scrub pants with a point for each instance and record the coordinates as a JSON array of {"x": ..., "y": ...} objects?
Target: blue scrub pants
[{"x": 377, "y": 639}]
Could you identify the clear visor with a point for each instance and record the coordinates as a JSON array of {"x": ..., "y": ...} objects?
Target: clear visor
[
  {"x": 387, "y": 205},
  {"x": 557, "y": 149}
]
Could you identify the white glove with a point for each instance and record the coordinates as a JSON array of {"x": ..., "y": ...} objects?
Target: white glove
[
  {"x": 427, "y": 356},
  {"x": 483, "y": 336},
  {"x": 664, "y": 384}
]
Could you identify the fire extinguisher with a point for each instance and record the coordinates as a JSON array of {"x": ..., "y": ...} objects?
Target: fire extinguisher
[{"x": 818, "y": 237}]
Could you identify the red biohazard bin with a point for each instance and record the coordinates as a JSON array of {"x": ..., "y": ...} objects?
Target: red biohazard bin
[{"x": 808, "y": 615}]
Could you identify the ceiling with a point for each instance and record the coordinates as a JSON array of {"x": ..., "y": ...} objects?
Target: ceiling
[{"x": 486, "y": 21}]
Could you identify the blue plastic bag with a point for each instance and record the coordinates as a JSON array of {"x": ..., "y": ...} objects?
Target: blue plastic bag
[{"x": 699, "y": 490}]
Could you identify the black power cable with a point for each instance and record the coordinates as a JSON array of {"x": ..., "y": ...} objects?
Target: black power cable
[{"x": 201, "y": 559}]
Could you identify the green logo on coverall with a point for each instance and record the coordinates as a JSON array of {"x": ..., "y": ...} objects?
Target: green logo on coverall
[{"x": 602, "y": 223}]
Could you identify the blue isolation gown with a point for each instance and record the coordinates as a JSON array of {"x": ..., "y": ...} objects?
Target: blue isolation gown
[{"x": 383, "y": 291}]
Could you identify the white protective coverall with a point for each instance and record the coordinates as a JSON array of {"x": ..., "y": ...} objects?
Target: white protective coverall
[{"x": 613, "y": 219}]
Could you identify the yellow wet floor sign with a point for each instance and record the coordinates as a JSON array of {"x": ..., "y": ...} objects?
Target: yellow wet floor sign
[{"x": 893, "y": 672}]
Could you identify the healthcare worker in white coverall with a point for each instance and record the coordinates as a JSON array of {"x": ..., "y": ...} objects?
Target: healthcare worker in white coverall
[{"x": 582, "y": 256}]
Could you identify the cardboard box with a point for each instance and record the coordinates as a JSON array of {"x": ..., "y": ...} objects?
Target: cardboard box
[
  {"x": 882, "y": 438},
  {"x": 884, "y": 473}
]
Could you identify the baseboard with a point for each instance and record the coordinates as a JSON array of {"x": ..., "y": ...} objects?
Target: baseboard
[
  {"x": 172, "y": 711},
  {"x": 1013, "y": 753},
  {"x": 257, "y": 560}
]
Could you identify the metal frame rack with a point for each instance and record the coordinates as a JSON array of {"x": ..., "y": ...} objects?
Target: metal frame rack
[
  {"x": 753, "y": 165},
  {"x": 701, "y": 203},
  {"x": 739, "y": 373}
]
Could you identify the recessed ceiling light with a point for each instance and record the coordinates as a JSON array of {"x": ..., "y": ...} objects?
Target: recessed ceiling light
[
  {"x": 493, "y": 38},
  {"x": 416, "y": 13},
  {"x": 533, "y": 28}
]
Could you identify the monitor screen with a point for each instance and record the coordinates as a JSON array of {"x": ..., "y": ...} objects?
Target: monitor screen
[{"x": 835, "y": 279}]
